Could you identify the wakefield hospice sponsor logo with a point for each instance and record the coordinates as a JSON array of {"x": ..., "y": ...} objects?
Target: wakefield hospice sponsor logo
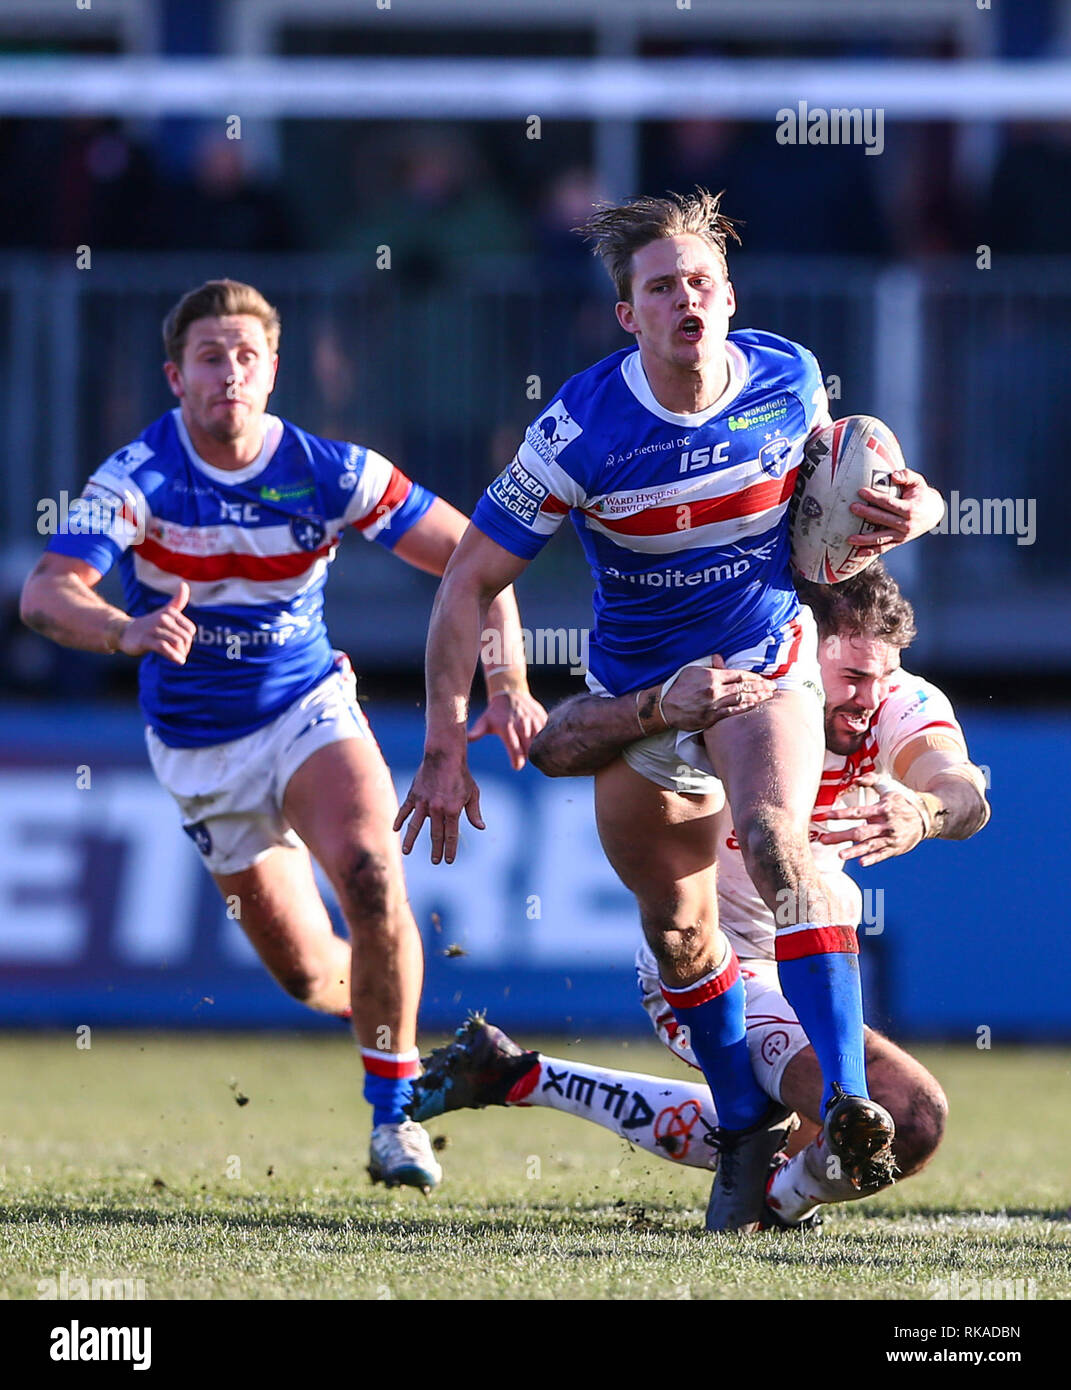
[
  {"x": 292, "y": 493},
  {"x": 768, "y": 413},
  {"x": 837, "y": 125}
]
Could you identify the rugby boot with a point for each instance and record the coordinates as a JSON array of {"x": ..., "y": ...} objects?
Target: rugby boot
[
  {"x": 401, "y": 1156},
  {"x": 738, "y": 1197},
  {"x": 479, "y": 1068},
  {"x": 859, "y": 1132}
]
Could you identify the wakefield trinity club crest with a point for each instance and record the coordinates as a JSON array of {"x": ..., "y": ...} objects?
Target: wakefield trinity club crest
[
  {"x": 773, "y": 456},
  {"x": 308, "y": 532}
]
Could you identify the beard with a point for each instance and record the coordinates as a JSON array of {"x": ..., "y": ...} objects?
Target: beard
[
  {"x": 225, "y": 432},
  {"x": 225, "y": 429},
  {"x": 840, "y": 740}
]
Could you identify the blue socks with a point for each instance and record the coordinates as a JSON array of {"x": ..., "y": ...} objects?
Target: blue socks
[
  {"x": 388, "y": 1083},
  {"x": 819, "y": 971},
  {"x": 712, "y": 1010},
  {"x": 386, "y": 1095}
]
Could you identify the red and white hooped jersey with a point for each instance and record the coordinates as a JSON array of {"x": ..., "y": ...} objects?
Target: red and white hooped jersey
[
  {"x": 253, "y": 544},
  {"x": 911, "y": 707}
]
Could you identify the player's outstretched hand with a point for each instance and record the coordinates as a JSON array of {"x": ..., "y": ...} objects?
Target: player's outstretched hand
[
  {"x": 892, "y": 826},
  {"x": 441, "y": 790},
  {"x": 918, "y": 509},
  {"x": 166, "y": 630},
  {"x": 516, "y": 717},
  {"x": 701, "y": 696}
]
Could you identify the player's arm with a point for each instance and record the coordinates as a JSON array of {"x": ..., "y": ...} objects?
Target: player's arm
[
  {"x": 938, "y": 794},
  {"x": 586, "y": 732},
  {"x": 476, "y": 574},
  {"x": 512, "y": 713},
  {"x": 59, "y": 602},
  {"x": 936, "y": 766}
]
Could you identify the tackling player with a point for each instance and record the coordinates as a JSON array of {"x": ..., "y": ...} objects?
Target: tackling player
[
  {"x": 896, "y": 772},
  {"x": 677, "y": 459},
  {"x": 223, "y": 520}
]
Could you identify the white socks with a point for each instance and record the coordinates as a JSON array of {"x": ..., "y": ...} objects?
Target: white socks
[
  {"x": 667, "y": 1118},
  {"x": 807, "y": 1181}
]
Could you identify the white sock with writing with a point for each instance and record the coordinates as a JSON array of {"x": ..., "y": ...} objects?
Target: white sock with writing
[
  {"x": 808, "y": 1180},
  {"x": 665, "y": 1117}
]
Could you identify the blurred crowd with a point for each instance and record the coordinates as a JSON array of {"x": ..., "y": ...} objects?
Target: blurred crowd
[
  {"x": 447, "y": 197},
  {"x": 469, "y": 205}
]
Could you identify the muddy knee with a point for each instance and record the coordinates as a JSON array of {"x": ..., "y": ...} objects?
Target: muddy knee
[
  {"x": 365, "y": 882},
  {"x": 682, "y": 943},
  {"x": 316, "y": 984},
  {"x": 769, "y": 839}
]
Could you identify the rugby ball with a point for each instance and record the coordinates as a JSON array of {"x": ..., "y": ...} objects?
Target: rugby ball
[{"x": 858, "y": 451}]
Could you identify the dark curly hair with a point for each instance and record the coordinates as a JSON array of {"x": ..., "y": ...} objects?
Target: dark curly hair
[{"x": 869, "y": 604}]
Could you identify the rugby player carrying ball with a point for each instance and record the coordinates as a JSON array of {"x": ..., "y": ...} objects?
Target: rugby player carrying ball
[{"x": 677, "y": 459}]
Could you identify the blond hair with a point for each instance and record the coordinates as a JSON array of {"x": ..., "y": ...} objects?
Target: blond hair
[
  {"x": 618, "y": 230},
  {"x": 214, "y": 299}
]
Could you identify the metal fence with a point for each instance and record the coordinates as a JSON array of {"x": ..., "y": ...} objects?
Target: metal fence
[{"x": 967, "y": 365}]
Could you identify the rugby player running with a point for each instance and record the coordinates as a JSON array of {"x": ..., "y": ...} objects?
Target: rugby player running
[
  {"x": 223, "y": 520},
  {"x": 896, "y": 772},
  {"x": 677, "y": 460}
]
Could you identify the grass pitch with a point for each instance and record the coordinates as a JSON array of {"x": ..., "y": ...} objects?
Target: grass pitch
[{"x": 134, "y": 1159}]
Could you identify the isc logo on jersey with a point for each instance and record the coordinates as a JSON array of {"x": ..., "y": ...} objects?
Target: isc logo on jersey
[
  {"x": 705, "y": 457},
  {"x": 554, "y": 429}
]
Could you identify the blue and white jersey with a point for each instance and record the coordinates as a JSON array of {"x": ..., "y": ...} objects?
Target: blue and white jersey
[
  {"x": 683, "y": 518},
  {"x": 253, "y": 544}
]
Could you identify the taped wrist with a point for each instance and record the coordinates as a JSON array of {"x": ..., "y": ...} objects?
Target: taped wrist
[
  {"x": 647, "y": 706},
  {"x": 502, "y": 680},
  {"x": 931, "y": 812}
]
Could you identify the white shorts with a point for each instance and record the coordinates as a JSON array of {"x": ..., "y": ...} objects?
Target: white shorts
[
  {"x": 678, "y": 761},
  {"x": 230, "y": 795},
  {"x": 774, "y": 1033}
]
